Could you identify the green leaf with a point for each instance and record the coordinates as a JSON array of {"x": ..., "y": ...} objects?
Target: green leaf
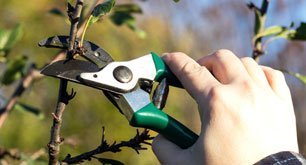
[
  {"x": 109, "y": 161},
  {"x": 299, "y": 33},
  {"x": 2, "y": 56},
  {"x": 176, "y": 1},
  {"x": 273, "y": 30},
  {"x": 14, "y": 70},
  {"x": 101, "y": 10},
  {"x": 128, "y": 8},
  {"x": 301, "y": 77},
  {"x": 121, "y": 18},
  {"x": 26, "y": 108},
  {"x": 126, "y": 18},
  {"x": 4, "y": 37},
  {"x": 57, "y": 12},
  {"x": 259, "y": 21},
  {"x": 8, "y": 38}
]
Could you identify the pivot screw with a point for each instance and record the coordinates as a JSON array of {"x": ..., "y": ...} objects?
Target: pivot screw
[{"x": 123, "y": 74}]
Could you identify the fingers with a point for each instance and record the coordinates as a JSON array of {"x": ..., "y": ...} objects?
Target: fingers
[
  {"x": 165, "y": 150},
  {"x": 224, "y": 65},
  {"x": 277, "y": 82},
  {"x": 254, "y": 71},
  {"x": 195, "y": 78}
]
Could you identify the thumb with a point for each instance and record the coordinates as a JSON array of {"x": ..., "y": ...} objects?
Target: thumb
[{"x": 165, "y": 151}]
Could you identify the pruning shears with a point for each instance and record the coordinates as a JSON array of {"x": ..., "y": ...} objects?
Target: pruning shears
[{"x": 126, "y": 84}]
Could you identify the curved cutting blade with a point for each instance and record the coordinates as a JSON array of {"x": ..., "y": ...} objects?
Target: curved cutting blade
[
  {"x": 90, "y": 51},
  {"x": 69, "y": 69}
]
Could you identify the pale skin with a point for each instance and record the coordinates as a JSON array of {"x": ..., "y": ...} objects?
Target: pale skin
[{"x": 246, "y": 111}]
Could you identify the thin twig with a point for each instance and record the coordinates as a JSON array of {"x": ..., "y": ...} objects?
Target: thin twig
[
  {"x": 134, "y": 143},
  {"x": 257, "y": 47},
  {"x": 12, "y": 153},
  {"x": 33, "y": 74},
  {"x": 24, "y": 84},
  {"x": 63, "y": 97},
  {"x": 28, "y": 79}
]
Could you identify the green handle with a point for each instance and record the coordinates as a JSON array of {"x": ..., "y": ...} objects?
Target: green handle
[
  {"x": 155, "y": 119},
  {"x": 162, "y": 71}
]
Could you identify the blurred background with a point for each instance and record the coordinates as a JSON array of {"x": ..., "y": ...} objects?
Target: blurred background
[{"x": 195, "y": 27}]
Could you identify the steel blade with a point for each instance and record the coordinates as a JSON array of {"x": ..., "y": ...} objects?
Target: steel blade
[
  {"x": 96, "y": 54},
  {"x": 69, "y": 69},
  {"x": 61, "y": 42},
  {"x": 90, "y": 51}
]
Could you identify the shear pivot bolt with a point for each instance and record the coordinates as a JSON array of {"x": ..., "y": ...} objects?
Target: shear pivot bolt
[{"x": 123, "y": 74}]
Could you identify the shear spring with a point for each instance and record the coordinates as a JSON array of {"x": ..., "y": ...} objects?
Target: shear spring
[{"x": 160, "y": 94}]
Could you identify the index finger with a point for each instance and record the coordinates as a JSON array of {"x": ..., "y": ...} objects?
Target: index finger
[
  {"x": 225, "y": 66},
  {"x": 196, "y": 79}
]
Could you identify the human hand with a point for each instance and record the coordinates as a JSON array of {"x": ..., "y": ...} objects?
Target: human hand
[{"x": 245, "y": 109}]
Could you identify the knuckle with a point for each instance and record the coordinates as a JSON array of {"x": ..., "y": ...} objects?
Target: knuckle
[
  {"x": 223, "y": 53},
  {"x": 246, "y": 86},
  {"x": 276, "y": 75},
  {"x": 215, "y": 94},
  {"x": 247, "y": 60},
  {"x": 223, "y": 57},
  {"x": 217, "y": 100},
  {"x": 190, "y": 68}
]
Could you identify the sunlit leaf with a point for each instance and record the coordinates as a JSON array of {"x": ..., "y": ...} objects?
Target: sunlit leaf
[
  {"x": 27, "y": 108},
  {"x": 100, "y": 10},
  {"x": 273, "y": 30},
  {"x": 301, "y": 77},
  {"x": 4, "y": 37},
  {"x": 14, "y": 70},
  {"x": 8, "y": 38},
  {"x": 109, "y": 161}
]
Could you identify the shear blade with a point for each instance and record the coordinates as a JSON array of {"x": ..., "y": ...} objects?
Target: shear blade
[
  {"x": 69, "y": 69},
  {"x": 61, "y": 42},
  {"x": 91, "y": 51}
]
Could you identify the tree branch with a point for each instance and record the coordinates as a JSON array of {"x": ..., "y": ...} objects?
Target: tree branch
[
  {"x": 63, "y": 97},
  {"x": 134, "y": 143},
  {"x": 12, "y": 153},
  {"x": 259, "y": 26},
  {"x": 33, "y": 74}
]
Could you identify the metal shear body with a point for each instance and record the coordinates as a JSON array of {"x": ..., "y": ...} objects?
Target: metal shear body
[{"x": 128, "y": 85}]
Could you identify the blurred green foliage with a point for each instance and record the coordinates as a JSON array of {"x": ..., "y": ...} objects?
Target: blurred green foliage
[
  {"x": 8, "y": 38},
  {"x": 90, "y": 110}
]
